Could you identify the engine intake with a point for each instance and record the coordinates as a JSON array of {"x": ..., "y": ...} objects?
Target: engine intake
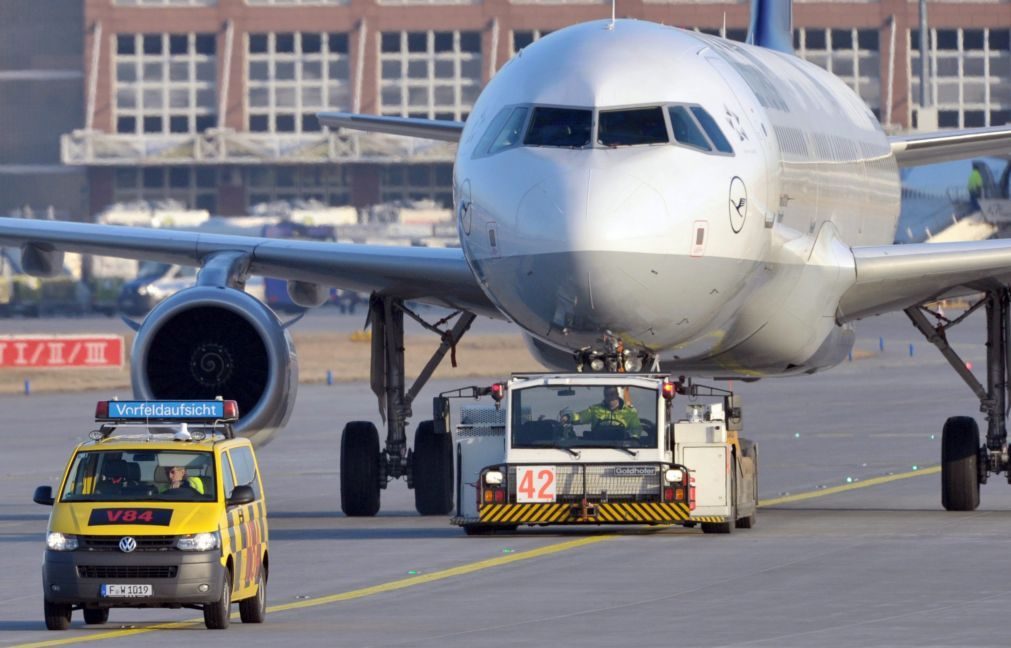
[{"x": 205, "y": 342}]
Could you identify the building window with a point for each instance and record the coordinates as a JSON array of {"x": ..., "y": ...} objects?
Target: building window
[
  {"x": 413, "y": 182},
  {"x": 850, "y": 54},
  {"x": 165, "y": 83},
  {"x": 292, "y": 76},
  {"x": 970, "y": 81},
  {"x": 525, "y": 37},
  {"x": 434, "y": 75},
  {"x": 191, "y": 187},
  {"x": 324, "y": 183}
]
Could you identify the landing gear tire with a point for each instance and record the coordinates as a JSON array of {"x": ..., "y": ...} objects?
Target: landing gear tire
[
  {"x": 57, "y": 615},
  {"x": 218, "y": 614},
  {"x": 95, "y": 616},
  {"x": 432, "y": 464},
  {"x": 254, "y": 610},
  {"x": 959, "y": 457},
  {"x": 728, "y": 526},
  {"x": 360, "y": 469}
]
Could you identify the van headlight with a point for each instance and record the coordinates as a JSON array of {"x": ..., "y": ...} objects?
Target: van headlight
[
  {"x": 674, "y": 475},
  {"x": 493, "y": 477},
  {"x": 60, "y": 542},
  {"x": 199, "y": 542}
]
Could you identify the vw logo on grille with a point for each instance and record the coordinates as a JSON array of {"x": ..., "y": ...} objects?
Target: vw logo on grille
[{"x": 127, "y": 544}]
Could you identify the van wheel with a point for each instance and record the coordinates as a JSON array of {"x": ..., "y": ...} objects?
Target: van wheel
[
  {"x": 95, "y": 616},
  {"x": 254, "y": 610},
  {"x": 217, "y": 614},
  {"x": 57, "y": 615}
]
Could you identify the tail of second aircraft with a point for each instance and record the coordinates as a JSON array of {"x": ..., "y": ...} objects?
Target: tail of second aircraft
[{"x": 772, "y": 25}]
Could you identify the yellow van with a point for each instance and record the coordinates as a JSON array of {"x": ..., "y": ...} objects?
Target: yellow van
[{"x": 163, "y": 507}]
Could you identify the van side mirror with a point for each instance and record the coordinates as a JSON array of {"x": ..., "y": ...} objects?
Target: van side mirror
[
  {"x": 44, "y": 495},
  {"x": 440, "y": 415},
  {"x": 242, "y": 495}
]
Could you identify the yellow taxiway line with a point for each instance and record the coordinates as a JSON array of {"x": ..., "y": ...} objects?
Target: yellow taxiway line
[
  {"x": 468, "y": 568},
  {"x": 874, "y": 481}
]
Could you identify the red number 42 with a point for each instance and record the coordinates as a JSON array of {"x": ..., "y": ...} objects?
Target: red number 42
[{"x": 536, "y": 485}]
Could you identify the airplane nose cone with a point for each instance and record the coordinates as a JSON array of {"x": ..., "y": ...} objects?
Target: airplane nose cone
[{"x": 595, "y": 209}]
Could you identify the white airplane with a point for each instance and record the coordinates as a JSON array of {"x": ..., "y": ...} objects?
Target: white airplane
[{"x": 633, "y": 197}]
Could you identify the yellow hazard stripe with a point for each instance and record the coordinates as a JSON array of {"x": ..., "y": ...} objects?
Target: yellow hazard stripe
[
  {"x": 642, "y": 511},
  {"x": 523, "y": 513}
]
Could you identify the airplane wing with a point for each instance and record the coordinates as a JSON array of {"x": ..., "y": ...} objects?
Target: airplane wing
[
  {"x": 433, "y": 129},
  {"x": 895, "y": 277},
  {"x": 432, "y": 275},
  {"x": 941, "y": 146}
]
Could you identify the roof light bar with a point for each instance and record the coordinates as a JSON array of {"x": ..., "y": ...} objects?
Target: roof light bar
[{"x": 166, "y": 411}]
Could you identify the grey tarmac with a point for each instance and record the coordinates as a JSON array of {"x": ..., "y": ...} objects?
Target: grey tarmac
[{"x": 840, "y": 557}]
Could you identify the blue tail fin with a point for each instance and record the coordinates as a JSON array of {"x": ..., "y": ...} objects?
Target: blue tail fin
[{"x": 772, "y": 25}]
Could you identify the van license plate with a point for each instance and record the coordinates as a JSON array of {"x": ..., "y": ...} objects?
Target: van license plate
[{"x": 115, "y": 591}]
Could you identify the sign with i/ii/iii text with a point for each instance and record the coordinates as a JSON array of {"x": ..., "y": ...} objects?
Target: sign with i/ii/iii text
[{"x": 61, "y": 351}]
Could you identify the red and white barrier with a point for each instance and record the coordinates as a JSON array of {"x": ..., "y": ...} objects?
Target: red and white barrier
[{"x": 61, "y": 351}]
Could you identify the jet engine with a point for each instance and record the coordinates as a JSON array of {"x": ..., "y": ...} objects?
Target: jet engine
[{"x": 208, "y": 341}]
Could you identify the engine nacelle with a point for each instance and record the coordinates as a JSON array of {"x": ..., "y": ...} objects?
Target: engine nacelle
[{"x": 205, "y": 342}]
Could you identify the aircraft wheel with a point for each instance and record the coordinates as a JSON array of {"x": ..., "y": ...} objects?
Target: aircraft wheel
[
  {"x": 959, "y": 456},
  {"x": 432, "y": 464},
  {"x": 57, "y": 615},
  {"x": 360, "y": 469},
  {"x": 94, "y": 616}
]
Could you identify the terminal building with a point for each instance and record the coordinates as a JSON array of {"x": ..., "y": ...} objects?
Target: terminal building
[{"x": 212, "y": 102}]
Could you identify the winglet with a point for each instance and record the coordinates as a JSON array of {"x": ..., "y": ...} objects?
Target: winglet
[{"x": 772, "y": 25}]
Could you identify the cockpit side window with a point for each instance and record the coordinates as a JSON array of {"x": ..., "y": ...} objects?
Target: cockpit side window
[
  {"x": 563, "y": 127},
  {"x": 686, "y": 129},
  {"x": 712, "y": 130},
  {"x": 631, "y": 126},
  {"x": 505, "y": 131},
  {"x": 511, "y": 132}
]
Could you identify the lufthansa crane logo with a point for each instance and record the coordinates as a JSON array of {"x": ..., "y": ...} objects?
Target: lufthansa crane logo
[
  {"x": 127, "y": 544},
  {"x": 738, "y": 204}
]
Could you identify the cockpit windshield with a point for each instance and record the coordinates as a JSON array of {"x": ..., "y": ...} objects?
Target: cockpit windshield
[
  {"x": 141, "y": 476},
  {"x": 584, "y": 416},
  {"x": 631, "y": 127},
  {"x": 562, "y": 127},
  {"x": 577, "y": 128}
]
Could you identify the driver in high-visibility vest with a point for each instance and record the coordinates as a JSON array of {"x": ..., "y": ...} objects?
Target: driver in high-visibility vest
[
  {"x": 612, "y": 411},
  {"x": 178, "y": 479}
]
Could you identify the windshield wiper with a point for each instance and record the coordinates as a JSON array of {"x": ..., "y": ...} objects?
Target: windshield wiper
[{"x": 575, "y": 453}]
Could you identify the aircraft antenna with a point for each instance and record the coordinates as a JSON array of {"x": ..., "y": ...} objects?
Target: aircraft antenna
[{"x": 613, "y": 3}]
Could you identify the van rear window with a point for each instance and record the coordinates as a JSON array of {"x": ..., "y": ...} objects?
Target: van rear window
[
  {"x": 631, "y": 126},
  {"x": 562, "y": 127}
]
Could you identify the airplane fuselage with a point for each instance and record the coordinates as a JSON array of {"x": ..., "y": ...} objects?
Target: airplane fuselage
[{"x": 589, "y": 227}]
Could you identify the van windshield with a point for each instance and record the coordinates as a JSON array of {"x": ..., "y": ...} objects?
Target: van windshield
[
  {"x": 584, "y": 416},
  {"x": 141, "y": 475}
]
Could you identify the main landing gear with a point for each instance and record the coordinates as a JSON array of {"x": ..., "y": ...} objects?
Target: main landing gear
[
  {"x": 965, "y": 463},
  {"x": 428, "y": 469}
]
